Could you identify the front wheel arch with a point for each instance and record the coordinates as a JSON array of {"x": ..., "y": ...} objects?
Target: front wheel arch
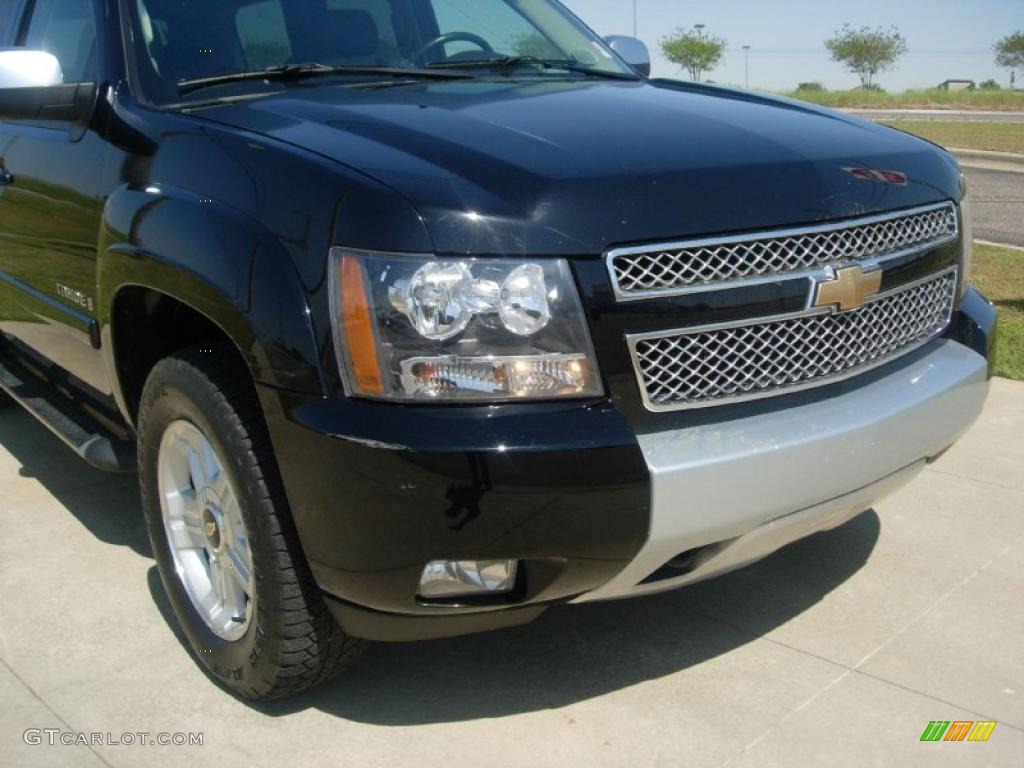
[{"x": 146, "y": 325}]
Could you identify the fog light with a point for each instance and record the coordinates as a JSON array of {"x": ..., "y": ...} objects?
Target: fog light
[{"x": 467, "y": 578}]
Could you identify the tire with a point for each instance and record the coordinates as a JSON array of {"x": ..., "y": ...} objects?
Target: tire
[{"x": 285, "y": 639}]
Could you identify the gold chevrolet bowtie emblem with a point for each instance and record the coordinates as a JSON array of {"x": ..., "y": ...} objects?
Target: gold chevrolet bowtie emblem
[{"x": 850, "y": 288}]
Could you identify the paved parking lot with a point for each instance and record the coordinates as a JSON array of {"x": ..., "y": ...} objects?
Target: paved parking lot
[{"x": 836, "y": 651}]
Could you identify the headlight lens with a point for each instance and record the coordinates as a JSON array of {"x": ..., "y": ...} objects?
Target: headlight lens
[{"x": 428, "y": 329}]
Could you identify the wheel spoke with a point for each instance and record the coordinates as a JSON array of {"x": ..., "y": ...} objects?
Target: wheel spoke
[
  {"x": 184, "y": 520},
  {"x": 205, "y": 529},
  {"x": 187, "y": 534},
  {"x": 209, "y": 463},
  {"x": 196, "y": 470},
  {"x": 221, "y": 582},
  {"x": 221, "y": 485},
  {"x": 209, "y": 600},
  {"x": 235, "y": 594},
  {"x": 240, "y": 570}
]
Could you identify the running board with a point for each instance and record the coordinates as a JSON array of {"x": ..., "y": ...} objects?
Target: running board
[{"x": 75, "y": 428}]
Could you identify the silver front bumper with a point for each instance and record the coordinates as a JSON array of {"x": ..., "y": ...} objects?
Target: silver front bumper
[{"x": 751, "y": 485}]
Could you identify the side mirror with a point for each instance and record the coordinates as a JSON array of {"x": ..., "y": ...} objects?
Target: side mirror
[
  {"x": 32, "y": 87},
  {"x": 632, "y": 51},
  {"x": 22, "y": 68}
]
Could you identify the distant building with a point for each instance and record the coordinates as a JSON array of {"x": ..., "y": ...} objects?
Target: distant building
[{"x": 957, "y": 85}]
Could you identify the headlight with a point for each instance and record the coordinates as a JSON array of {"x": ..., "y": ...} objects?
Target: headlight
[
  {"x": 430, "y": 329},
  {"x": 967, "y": 235}
]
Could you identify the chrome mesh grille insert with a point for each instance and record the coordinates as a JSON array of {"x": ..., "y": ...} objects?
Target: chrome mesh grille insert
[
  {"x": 735, "y": 362},
  {"x": 703, "y": 262}
]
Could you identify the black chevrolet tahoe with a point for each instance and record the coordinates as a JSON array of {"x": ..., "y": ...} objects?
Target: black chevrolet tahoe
[{"x": 419, "y": 317}]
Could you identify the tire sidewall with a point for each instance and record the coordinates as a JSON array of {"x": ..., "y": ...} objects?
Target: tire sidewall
[{"x": 175, "y": 395}]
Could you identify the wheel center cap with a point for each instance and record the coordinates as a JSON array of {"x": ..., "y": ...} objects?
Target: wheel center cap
[{"x": 211, "y": 528}]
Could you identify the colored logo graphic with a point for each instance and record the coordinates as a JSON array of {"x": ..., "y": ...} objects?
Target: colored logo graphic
[
  {"x": 958, "y": 730},
  {"x": 871, "y": 174}
]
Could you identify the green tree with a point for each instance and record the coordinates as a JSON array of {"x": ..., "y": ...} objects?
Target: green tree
[
  {"x": 695, "y": 52},
  {"x": 1010, "y": 51},
  {"x": 989, "y": 85},
  {"x": 867, "y": 51}
]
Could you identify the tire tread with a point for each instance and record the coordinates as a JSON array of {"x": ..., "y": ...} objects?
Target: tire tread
[{"x": 311, "y": 646}]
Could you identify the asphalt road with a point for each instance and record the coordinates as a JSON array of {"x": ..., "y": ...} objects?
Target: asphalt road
[
  {"x": 998, "y": 200},
  {"x": 967, "y": 115}
]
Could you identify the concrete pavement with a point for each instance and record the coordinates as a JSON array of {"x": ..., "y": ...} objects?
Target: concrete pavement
[{"x": 838, "y": 650}]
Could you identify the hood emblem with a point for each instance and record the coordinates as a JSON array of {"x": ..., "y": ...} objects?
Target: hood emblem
[
  {"x": 850, "y": 288},
  {"x": 871, "y": 174}
]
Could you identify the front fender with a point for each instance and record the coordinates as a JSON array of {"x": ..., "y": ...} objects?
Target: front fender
[{"x": 202, "y": 253}]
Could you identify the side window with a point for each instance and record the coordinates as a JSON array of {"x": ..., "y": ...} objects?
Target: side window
[
  {"x": 8, "y": 18},
  {"x": 263, "y": 34},
  {"x": 67, "y": 29}
]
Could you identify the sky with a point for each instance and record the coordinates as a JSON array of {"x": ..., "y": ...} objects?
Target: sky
[{"x": 948, "y": 39}]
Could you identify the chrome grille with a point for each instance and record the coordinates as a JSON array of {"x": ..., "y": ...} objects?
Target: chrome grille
[
  {"x": 696, "y": 264},
  {"x": 709, "y": 366}
]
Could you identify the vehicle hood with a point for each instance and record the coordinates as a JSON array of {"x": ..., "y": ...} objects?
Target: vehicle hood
[{"x": 575, "y": 167}]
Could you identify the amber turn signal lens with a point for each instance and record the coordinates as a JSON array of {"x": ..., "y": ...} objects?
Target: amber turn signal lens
[{"x": 358, "y": 327}]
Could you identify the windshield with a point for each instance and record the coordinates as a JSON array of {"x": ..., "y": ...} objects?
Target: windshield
[{"x": 183, "y": 47}]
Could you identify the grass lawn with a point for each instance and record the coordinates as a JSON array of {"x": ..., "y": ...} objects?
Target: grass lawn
[
  {"x": 1001, "y": 137},
  {"x": 999, "y": 274},
  {"x": 927, "y": 99}
]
